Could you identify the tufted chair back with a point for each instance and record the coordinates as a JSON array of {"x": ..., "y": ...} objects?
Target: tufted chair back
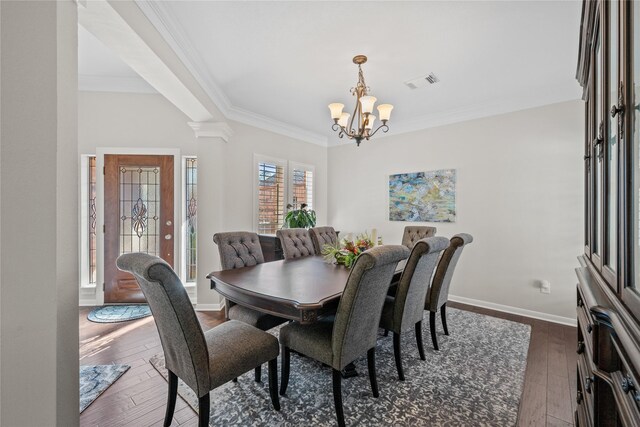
[
  {"x": 183, "y": 342},
  {"x": 296, "y": 243},
  {"x": 238, "y": 249},
  {"x": 322, "y": 236},
  {"x": 439, "y": 292},
  {"x": 413, "y": 233},
  {"x": 358, "y": 315}
]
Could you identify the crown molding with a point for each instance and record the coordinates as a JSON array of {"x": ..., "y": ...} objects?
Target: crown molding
[
  {"x": 212, "y": 130},
  {"x": 470, "y": 112},
  {"x": 176, "y": 38},
  {"x": 161, "y": 19},
  {"x": 129, "y": 84}
]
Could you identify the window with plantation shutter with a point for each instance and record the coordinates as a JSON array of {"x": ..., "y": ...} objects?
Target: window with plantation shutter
[
  {"x": 271, "y": 196},
  {"x": 301, "y": 185}
]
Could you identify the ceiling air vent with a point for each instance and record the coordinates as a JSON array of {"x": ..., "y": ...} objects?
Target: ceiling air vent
[{"x": 423, "y": 81}]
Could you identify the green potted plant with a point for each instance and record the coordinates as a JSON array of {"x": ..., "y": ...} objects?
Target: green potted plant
[{"x": 300, "y": 218}]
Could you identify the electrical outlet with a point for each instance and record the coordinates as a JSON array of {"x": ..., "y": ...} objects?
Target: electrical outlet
[{"x": 545, "y": 287}]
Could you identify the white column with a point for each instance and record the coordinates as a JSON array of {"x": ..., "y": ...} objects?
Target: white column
[
  {"x": 212, "y": 138},
  {"x": 38, "y": 214}
]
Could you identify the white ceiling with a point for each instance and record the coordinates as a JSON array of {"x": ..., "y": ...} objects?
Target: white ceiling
[
  {"x": 101, "y": 70},
  {"x": 286, "y": 61}
]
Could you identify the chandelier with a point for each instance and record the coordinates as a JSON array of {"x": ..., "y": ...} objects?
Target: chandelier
[{"x": 359, "y": 125}]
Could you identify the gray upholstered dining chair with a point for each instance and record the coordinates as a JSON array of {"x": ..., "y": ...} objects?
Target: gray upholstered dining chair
[
  {"x": 438, "y": 293},
  {"x": 406, "y": 309},
  {"x": 242, "y": 249},
  {"x": 413, "y": 233},
  {"x": 296, "y": 242},
  {"x": 339, "y": 340},
  {"x": 203, "y": 360},
  {"x": 322, "y": 236}
]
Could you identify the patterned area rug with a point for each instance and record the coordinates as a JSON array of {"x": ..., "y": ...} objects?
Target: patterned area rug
[
  {"x": 475, "y": 379},
  {"x": 118, "y": 313},
  {"x": 94, "y": 380}
]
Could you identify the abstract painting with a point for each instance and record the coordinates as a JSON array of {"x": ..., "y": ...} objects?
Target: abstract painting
[{"x": 423, "y": 196}]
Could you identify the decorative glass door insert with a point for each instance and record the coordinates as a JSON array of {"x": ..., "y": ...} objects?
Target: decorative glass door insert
[{"x": 140, "y": 209}]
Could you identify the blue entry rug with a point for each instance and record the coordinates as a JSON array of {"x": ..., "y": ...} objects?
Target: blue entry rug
[
  {"x": 94, "y": 380},
  {"x": 475, "y": 379},
  {"x": 119, "y": 313}
]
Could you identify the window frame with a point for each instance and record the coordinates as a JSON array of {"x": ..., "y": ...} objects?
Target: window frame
[
  {"x": 183, "y": 223},
  {"x": 307, "y": 168},
  {"x": 83, "y": 235},
  {"x": 257, "y": 159},
  {"x": 288, "y": 167}
]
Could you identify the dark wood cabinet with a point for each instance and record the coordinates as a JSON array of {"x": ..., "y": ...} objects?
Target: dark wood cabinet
[{"x": 608, "y": 302}]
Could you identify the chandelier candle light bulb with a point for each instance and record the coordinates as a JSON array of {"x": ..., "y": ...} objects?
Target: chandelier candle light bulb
[
  {"x": 344, "y": 119},
  {"x": 362, "y": 118},
  {"x": 384, "y": 111},
  {"x": 336, "y": 110},
  {"x": 370, "y": 119}
]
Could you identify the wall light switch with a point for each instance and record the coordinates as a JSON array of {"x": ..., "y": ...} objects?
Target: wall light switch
[{"x": 545, "y": 286}]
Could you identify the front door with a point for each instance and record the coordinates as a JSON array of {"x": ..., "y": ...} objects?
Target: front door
[{"x": 138, "y": 217}]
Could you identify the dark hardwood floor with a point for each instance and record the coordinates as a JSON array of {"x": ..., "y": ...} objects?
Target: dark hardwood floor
[{"x": 139, "y": 397}]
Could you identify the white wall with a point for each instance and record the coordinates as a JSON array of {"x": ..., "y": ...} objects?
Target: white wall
[
  {"x": 39, "y": 336},
  {"x": 121, "y": 120},
  {"x": 519, "y": 193},
  {"x": 149, "y": 120}
]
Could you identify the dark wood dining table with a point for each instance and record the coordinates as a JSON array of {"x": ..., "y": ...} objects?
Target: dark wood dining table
[{"x": 303, "y": 289}]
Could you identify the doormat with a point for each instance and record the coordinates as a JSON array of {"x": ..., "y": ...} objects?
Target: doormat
[{"x": 119, "y": 313}]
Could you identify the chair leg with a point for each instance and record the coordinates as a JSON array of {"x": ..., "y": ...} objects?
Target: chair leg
[
  {"x": 419, "y": 340},
  {"x": 203, "y": 411},
  {"x": 398, "y": 355},
  {"x": 286, "y": 363},
  {"x": 235, "y": 380},
  {"x": 258, "y": 374},
  {"x": 371, "y": 362},
  {"x": 432, "y": 326},
  {"x": 386, "y": 332},
  {"x": 443, "y": 315},
  {"x": 337, "y": 396},
  {"x": 273, "y": 383},
  {"x": 171, "y": 398}
]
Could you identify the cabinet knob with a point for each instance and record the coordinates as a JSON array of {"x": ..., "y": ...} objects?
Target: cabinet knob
[
  {"x": 579, "y": 397},
  {"x": 627, "y": 385},
  {"x": 580, "y": 347}
]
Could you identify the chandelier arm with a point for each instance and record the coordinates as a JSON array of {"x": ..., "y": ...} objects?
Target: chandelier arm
[
  {"x": 384, "y": 128},
  {"x": 356, "y": 113}
]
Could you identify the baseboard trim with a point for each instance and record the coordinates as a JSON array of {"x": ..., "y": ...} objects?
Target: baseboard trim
[
  {"x": 209, "y": 307},
  {"x": 515, "y": 310},
  {"x": 87, "y": 303}
]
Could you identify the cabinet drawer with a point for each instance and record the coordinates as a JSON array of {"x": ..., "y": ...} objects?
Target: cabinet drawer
[
  {"x": 585, "y": 334},
  {"x": 583, "y": 410},
  {"x": 585, "y": 387}
]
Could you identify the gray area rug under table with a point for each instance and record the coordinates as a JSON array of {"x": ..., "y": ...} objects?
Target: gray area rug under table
[
  {"x": 95, "y": 379},
  {"x": 476, "y": 379}
]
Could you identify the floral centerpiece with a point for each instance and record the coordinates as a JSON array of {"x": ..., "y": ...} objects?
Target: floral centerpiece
[{"x": 347, "y": 251}]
